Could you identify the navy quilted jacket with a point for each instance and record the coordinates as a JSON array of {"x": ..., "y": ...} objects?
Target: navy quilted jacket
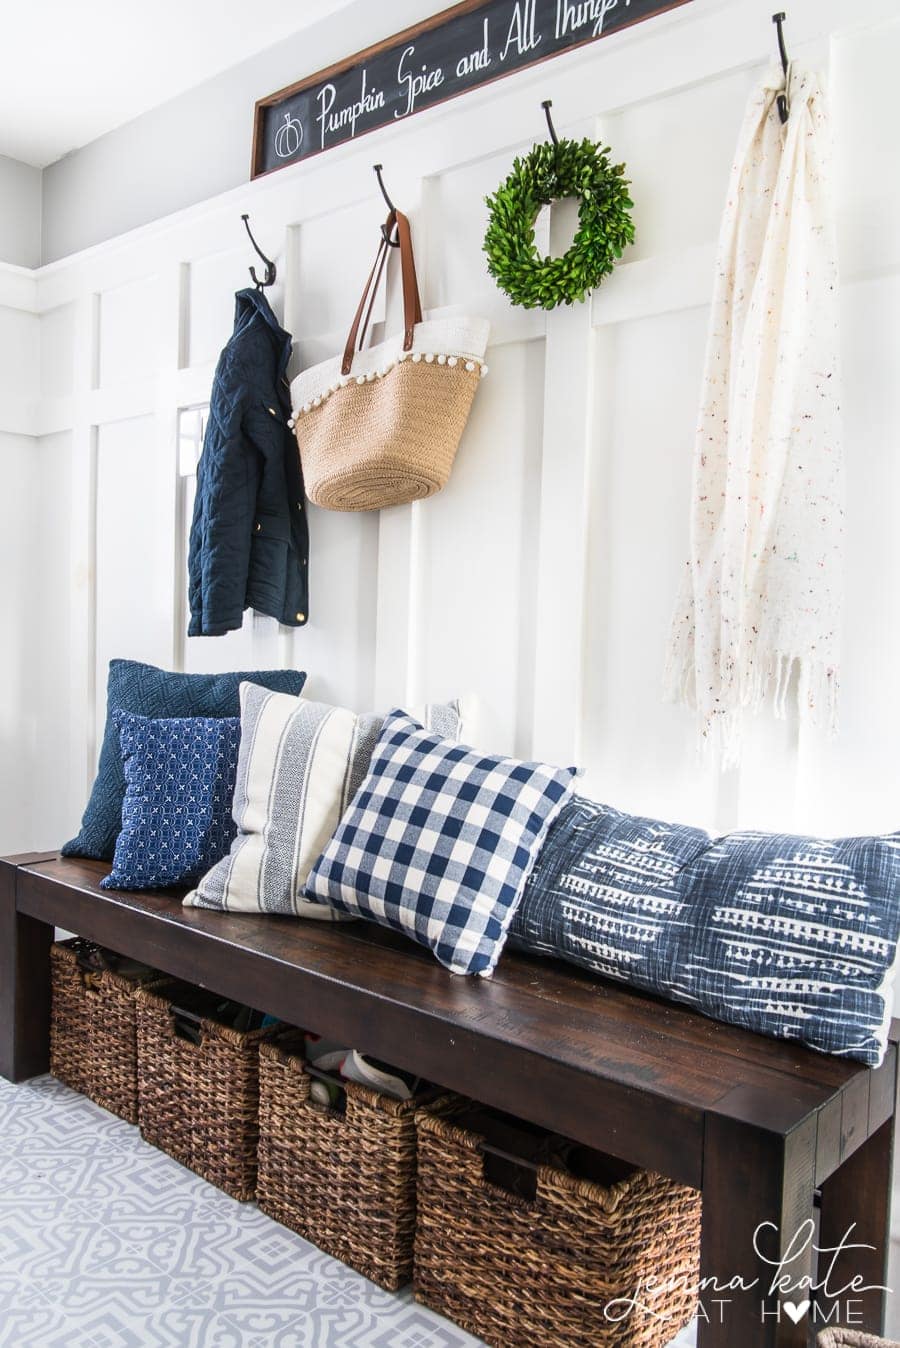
[{"x": 249, "y": 545}]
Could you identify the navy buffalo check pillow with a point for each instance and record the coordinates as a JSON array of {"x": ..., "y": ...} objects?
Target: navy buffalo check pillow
[{"x": 438, "y": 843}]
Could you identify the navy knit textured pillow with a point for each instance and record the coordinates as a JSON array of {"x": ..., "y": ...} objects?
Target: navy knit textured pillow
[
  {"x": 793, "y": 937},
  {"x": 148, "y": 691},
  {"x": 438, "y": 841},
  {"x": 179, "y": 785}
]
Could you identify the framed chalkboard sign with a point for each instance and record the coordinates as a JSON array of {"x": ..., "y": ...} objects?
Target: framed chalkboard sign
[{"x": 471, "y": 44}]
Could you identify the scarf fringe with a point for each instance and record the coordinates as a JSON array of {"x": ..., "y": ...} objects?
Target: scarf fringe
[{"x": 771, "y": 677}]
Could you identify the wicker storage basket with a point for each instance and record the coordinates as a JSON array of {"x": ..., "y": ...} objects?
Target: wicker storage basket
[
  {"x": 852, "y": 1338},
  {"x": 198, "y": 1087},
  {"x": 93, "y": 1042},
  {"x": 346, "y": 1181},
  {"x": 522, "y": 1252}
]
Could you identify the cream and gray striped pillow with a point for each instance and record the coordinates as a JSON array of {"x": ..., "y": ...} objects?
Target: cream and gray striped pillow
[{"x": 299, "y": 766}]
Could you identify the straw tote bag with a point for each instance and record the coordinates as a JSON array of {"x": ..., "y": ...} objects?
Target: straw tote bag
[{"x": 380, "y": 426}]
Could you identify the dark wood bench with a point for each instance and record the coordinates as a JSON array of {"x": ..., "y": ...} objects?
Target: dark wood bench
[{"x": 766, "y": 1130}]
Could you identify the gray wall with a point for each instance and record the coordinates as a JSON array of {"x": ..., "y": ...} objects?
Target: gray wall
[
  {"x": 154, "y": 165},
  {"x": 20, "y": 213}
]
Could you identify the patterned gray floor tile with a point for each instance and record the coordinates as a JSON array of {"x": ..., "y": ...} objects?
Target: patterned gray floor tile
[
  {"x": 107, "y": 1243},
  {"x": 42, "y": 1128},
  {"x": 19, "y": 1293},
  {"x": 131, "y": 1180},
  {"x": 23, "y": 1183},
  {"x": 50, "y": 1240},
  {"x": 166, "y": 1327},
  {"x": 244, "y": 1333},
  {"x": 342, "y": 1288},
  {"x": 413, "y": 1326},
  {"x": 18, "y": 1106},
  {"x": 40, "y": 1327},
  {"x": 205, "y": 1249},
  {"x": 126, "y": 1285},
  {"x": 246, "y": 1291},
  {"x": 193, "y": 1329}
]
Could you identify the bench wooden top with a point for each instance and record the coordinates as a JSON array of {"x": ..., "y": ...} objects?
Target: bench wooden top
[{"x": 608, "y": 1066}]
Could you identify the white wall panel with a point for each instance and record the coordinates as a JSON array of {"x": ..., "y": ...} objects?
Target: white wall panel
[
  {"x": 865, "y": 752},
  {"x": 337, "y": 645},
  {"x": 333, "y": 255},
  {"x": 452, "y": 263},
  {"x": 20, "y": 337},
  {"x": 135, "y": 568},
  {"x": 864, "y": 98},
  {"x": 475, "y": 561},
  {"x": 129, "y": 332},
  {"x": 20, "y": 698},
  {"x": 641, "y": 754},
  {"x": 57, "y": 366},
  {"x": 678, "y": 152},
  {"x": 55, "y": 707},
  {"x": 213, "y": 281}
]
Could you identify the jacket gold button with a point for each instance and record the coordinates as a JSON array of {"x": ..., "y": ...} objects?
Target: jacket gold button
[
  {"x": 300, "y": 617},
  {"x": 272, "y": 412},
  {"x": 258, "y": 527}
]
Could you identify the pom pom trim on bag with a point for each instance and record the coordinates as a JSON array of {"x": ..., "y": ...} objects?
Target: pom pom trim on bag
[{"x": 430, "y": 357}]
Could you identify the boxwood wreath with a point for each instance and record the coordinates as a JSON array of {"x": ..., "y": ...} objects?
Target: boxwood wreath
[{"x": 550, "y": 171}]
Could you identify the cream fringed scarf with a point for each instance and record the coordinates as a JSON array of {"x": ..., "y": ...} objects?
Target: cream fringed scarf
[{"x": 761, "y": 603}]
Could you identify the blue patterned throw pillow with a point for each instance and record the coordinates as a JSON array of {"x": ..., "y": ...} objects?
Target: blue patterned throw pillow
[
  {"x": 179, "y": 784},
  {"x": 148, "y": 691},
  {"x": 438, "y": 842},
  {"x": 792, "y": 937}
]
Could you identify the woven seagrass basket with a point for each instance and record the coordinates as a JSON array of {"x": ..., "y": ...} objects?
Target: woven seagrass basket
[
  {"x": 388, "y": 441},
  {"x": 852, "y": 1338},
  {"x": 198, "y": 1088},
  {"x": 521, "y": 1251},
  {"x": 93, "y": 1038},
  {"x": 344, "y": 1180}
]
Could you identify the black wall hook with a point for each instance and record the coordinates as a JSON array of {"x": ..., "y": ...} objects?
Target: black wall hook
[
  {"x": 547, "y": 105},
  {"x": 782, "y": 99},
  {"x": 394, "y": 243},
  {"x": 270, "y": 266}
]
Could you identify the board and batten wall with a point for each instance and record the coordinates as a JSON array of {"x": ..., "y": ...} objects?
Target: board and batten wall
[{"x": 542, "y": 579}]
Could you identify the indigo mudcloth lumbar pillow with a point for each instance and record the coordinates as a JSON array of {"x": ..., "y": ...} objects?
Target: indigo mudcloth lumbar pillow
[
  {"x": 438, "y": 843},
  {"x": 793, "y": 937},
  {"x": 299, "y": 766},
  {"x": 179, "y": 783},
  {"x": 148, "y": 691}
]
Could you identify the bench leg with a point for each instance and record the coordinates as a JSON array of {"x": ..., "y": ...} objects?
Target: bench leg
[
  {"x": 752, "y": 1177},
  {"x": 24, "y": 986},
  {"x": 858, "y": 1195}
]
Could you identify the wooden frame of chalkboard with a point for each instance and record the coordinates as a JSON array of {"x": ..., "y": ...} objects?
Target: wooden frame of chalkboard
[{"x": 461, "y": 48}]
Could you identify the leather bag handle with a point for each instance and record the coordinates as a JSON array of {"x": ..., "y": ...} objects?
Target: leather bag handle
[{"x": 412, "y": 307}]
